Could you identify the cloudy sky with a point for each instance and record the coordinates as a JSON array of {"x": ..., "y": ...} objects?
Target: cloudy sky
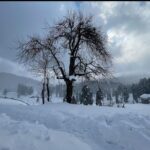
[{"x": 127, "y": 25}]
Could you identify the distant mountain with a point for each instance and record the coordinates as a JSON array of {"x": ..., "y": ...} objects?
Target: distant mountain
[
  {"x": 11, "y": 81},
  {"x": 130, "y": 79}
]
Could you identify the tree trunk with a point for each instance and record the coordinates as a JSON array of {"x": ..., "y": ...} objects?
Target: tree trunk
[
  {"x": 69, "y": 83},
  {"x": 69, "y": 86},
  {"x": 71, "y": 66},
  {"x": 44, "y": 88},
  {"x": 48, "y": 91},
  {"x": 43, "y": 96}
]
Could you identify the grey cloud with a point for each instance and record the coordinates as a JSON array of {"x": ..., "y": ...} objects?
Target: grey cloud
[
  {"x": 132, "y": 19},
  {"x": 19, "y": 19}
]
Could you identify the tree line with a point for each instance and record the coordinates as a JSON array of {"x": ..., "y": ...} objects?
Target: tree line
[
  {"x": 22, "y": 90},
  {"x": 142, "y": 87}
]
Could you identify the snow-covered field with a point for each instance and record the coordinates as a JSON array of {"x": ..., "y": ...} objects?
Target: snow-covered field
[{"x": 62, "y": 126}]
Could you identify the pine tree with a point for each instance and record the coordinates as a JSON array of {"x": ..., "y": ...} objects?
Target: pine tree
[
  {"x": 125, "y": 95},
  {"x": 109, "y": 98},
  {"x": 116, "y": 96},
  {"x": 86, "y": 96},
  {"x": 90, "y": 99},
  {"x": 99, "y": 97},
  {"x": 134, "y": 92}
]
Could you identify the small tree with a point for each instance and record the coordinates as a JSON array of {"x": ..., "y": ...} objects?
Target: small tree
[
  {"x": 116, "y": 96},
  {"x": 38, "y": 59},
  {"x": 5, "y": 91},
  {"x": 109, "y": 98},
  {"x": 122, "y": 100},
  {"x": 86, "y": 96},
  {"x": 135, "y": 92},
  {"x": 125, "y": 95},
  {"x": 99, "y": 97}
]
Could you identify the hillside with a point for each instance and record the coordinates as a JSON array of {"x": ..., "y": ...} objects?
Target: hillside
[
  {"x": 132, "y": 78},
  {"x": 11, "y": 81}
]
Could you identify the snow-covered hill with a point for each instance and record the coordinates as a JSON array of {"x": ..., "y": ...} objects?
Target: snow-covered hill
[
  {"x": 64, "y": 126},
  {"x": 11, "y": 81}
]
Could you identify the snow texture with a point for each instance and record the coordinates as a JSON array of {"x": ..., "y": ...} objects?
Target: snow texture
[{"x": 61, "y": 126}]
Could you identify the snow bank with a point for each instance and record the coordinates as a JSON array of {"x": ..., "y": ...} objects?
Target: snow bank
[
  {"x": 69, "y": 127},
  {"x": 11, "y": 102},
  {"x": 17, "y": 135}
]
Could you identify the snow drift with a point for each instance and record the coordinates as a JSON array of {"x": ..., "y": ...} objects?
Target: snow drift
[{"x": 66, "y": 126}]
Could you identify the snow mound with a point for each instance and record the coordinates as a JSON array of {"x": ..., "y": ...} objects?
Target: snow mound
[
  {"x": 11, "y": 102},
  {"x": 17, "y": 135},
  {"x": 62, "y": 126}
]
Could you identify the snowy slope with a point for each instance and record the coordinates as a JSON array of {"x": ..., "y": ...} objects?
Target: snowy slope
[
  {"x": 17, "y": 135},
  {"x": 11, "y": 102},
  {"x": 65, "y": 126}
]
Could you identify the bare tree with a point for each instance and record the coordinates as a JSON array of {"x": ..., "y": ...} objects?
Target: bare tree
[
  {"x": 86, "y": 48},
  {"x": 77, "y": 38},
  {"x": 38, "y": 59}
]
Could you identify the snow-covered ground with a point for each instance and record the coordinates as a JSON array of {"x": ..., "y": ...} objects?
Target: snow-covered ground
[
  {"x": 62, "y": 126},
  {"x": 11, "y": 102},
  {"x": 22, "y": 135}
]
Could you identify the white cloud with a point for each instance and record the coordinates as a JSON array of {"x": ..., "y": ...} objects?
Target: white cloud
[{"x": 128, "y": 30}]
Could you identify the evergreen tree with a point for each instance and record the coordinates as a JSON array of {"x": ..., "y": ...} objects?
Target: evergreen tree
[
  {"x": 116, "y": 96},
  {"x": 125, "y": 95},
  {"x": 99, "y": 97},
  {"x": 86, "y": 96},
  {"x": 122, "y": 101},
  {"x": 143, "y": 87},
  {"x": 24, "y": 90},
  {"x": 109, "y": 98},
  {"x": 90, "y": 99}
]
